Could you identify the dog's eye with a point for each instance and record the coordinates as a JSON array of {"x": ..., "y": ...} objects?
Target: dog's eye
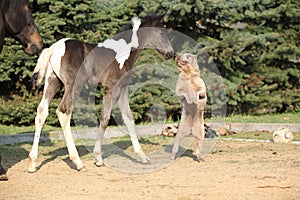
[
  {"x": 183, "y": 62},
  {"x": 201, "y": 96},
  {"x": 189, "y": 56}
]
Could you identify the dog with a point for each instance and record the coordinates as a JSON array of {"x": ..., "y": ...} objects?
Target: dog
[{"x": 191, "y": 92}]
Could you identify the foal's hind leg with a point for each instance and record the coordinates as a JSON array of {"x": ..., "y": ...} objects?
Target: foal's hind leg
[
  {"x": 127, "y": 116},
  {"x": 52, "y": 85},
  {"x": 64, "y": 112},
  {"x": 104, "y": 119}
]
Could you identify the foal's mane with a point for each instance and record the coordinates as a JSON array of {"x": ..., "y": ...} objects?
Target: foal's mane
[
  {"x": 5, "y": 4},
  {"x": 146, "y": 22},
  {"x": 151, "y": 20}
]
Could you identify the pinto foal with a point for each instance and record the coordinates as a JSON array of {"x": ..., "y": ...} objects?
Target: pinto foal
[
  {"x": 74, "y": 63},
  {"x": 191, "y": 92}
]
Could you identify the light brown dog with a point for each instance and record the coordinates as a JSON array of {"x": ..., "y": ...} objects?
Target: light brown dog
[{"x": 191, "y": 92}]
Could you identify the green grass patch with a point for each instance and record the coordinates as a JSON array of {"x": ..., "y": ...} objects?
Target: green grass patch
[
  {"x": 4, "y": 130},
  {"x": 291, "y": 118}
]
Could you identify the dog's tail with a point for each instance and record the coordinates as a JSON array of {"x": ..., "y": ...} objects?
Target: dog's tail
[{"x": 41, "y": 66}]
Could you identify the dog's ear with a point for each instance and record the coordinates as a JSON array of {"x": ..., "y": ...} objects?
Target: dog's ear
[
  {"x": 194, "y": 60},
  {"x": 195, "y": 57},
  {"x": 192, "y": 57}
]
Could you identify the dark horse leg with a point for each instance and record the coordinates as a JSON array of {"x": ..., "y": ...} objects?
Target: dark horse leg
[
  {"x": 2, "y": 171},
  {"x": 106, "y": 109},
  {"x": 3, "y": 176}
]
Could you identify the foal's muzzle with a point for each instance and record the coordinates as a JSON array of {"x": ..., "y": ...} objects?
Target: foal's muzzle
[
  {"x": 169, "y": 55},
  {"x": 33, "y": 48}
]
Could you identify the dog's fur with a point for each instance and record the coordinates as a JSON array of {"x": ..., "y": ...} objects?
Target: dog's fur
[{"x": 191, "y": 92}]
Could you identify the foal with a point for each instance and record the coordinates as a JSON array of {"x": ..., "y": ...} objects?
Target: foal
[
  {"x": 191, "y": 92},
  {"x": 74, "y": 63}
]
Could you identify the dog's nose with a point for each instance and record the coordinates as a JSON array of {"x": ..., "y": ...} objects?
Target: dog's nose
[{"x": 178, "y": 58}]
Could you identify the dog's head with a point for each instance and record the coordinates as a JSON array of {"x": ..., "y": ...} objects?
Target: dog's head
[{"x": 187, "y": 62}]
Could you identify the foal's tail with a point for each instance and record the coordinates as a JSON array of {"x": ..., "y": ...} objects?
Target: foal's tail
[
  {"x": 44, "y": 59},
  {"x": 41, "y": 66}
]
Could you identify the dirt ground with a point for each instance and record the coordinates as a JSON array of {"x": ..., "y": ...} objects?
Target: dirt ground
[{"x": 233, "y": 170}]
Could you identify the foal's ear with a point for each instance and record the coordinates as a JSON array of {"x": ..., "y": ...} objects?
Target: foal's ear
[{"x": 158, "y": 17}]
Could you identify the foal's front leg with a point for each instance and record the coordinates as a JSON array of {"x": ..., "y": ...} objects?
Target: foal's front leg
[{"x": 127, "y": 116}]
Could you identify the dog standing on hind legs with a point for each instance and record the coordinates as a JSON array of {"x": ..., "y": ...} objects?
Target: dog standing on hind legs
[{"x": 191, "y": 92}]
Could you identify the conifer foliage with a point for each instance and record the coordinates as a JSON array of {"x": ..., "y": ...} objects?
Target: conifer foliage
[{"x": 254, "y": 43}]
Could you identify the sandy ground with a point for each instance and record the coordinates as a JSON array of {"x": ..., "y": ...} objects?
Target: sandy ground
[{"x": 233, "y": 170}]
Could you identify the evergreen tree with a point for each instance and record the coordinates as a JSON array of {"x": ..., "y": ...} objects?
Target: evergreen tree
[{"x": 255, "y": 45}]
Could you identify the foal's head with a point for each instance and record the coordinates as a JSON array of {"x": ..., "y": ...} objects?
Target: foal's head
[
  {"x": 152, "y": 34},
  {"x": 17, "y": 17}
]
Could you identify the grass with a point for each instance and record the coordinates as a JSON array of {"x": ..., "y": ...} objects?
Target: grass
[
  {"x": 4, "y": 130},
  {"x": 291, "y": 118}
]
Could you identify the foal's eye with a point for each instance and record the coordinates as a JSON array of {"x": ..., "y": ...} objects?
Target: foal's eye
[
  {"x": 30, "y": 6},
  {"x": 28, "y": 17}
]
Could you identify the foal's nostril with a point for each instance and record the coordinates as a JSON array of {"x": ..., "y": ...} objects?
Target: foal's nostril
[
  {"x": 169, "y": 55},
  {"x": 35, "y": 48},
  {"x": 172, "y": 54}
]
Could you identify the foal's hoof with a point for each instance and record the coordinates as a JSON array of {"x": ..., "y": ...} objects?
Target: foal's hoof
[
  {"x": 32, "y": 169},
  {"x": 146, "y": 160},
  {"x": 172, "y": 158},
  {"x": 81, "y": 168},
  {"x": 3, "y": 177},
  {"x": 99, "y": 164},
  {"x": 200, "y": 159}
]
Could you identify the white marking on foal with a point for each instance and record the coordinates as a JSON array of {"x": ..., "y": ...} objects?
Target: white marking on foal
[
  {"x": 130, "y": 126},
  {"x": 64, "y": 120},
  {"x": 120, "y": 46},
  {"x": 59, "y": 49},
  {"x": 135, "y": 143},
  {"x": 42, "y": 113}
]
